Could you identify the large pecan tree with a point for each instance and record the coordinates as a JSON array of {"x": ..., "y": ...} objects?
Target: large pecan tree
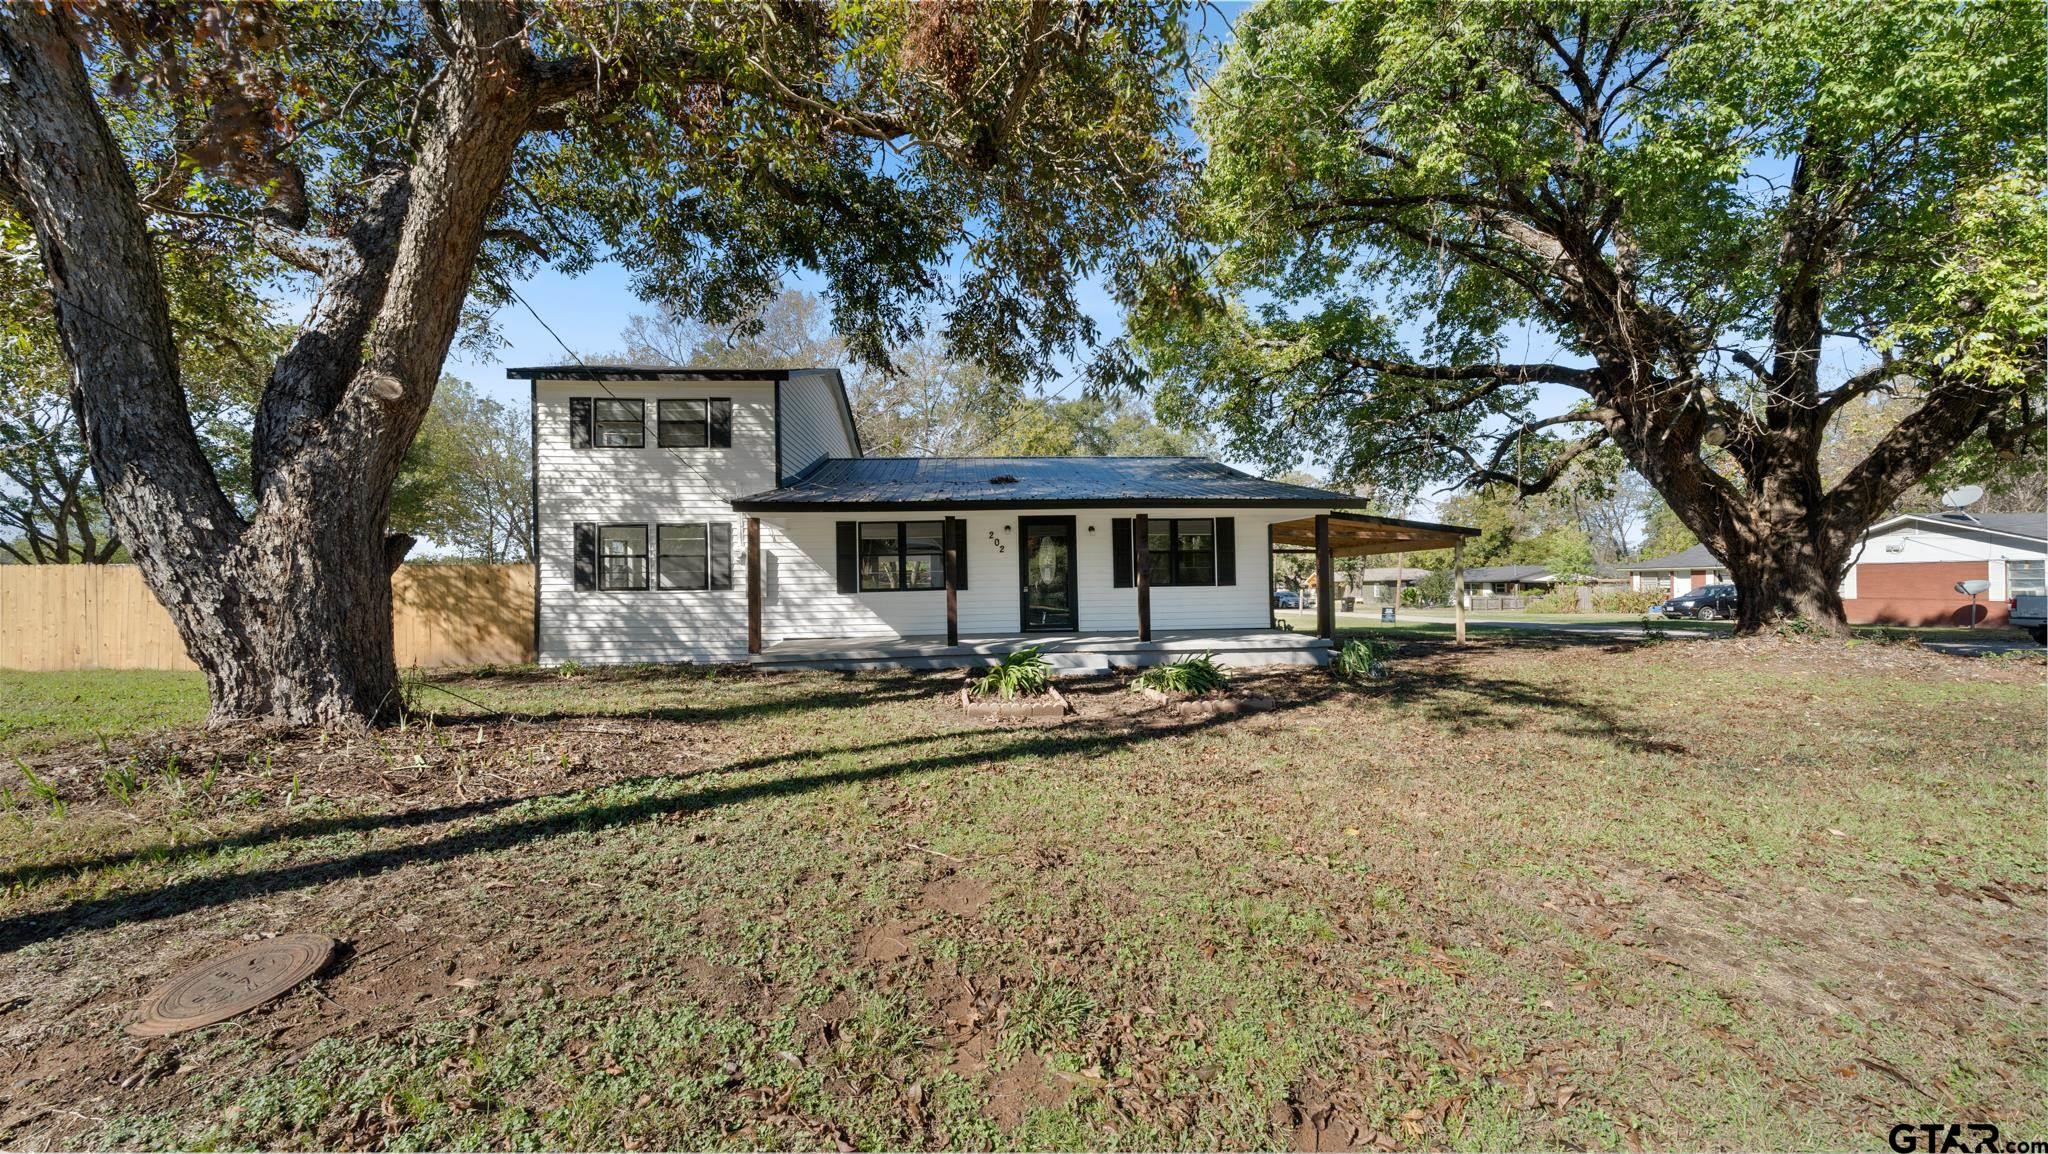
[
  {"x": 405, "y": 162},
  {"x": 1719, "y": 226}
]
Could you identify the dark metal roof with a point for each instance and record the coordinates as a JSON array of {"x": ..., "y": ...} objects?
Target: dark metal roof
[
  {"x": 643, "y": 373},
  {"x": 1696, "y": 557},
  {"x": 2034, "y": 525},
  {"x": 1014, "y": 482},
  {"x": 1509, "y": 573}
]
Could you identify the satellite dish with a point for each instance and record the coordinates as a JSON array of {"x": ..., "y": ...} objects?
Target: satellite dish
[{"x": 1962, "y": 497}]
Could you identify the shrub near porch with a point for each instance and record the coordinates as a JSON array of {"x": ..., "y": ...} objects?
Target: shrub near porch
[{"x": 1678, "y": 895}]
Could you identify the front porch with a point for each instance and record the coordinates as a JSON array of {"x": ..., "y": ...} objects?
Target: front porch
[{"x": 1071, "y": 654}]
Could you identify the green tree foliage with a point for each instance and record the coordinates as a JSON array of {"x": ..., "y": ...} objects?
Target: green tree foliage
[
  {"x": 923, "y": 402},
  {"x": 1665, "y": 534},
  {"x": 467, "y": 484},
  {"x": 50, "y": 506},
  {"x": 1706, "y": 206}
]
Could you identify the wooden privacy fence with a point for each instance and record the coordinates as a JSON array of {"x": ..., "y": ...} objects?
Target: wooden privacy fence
[{"x": 103, "y": 617}]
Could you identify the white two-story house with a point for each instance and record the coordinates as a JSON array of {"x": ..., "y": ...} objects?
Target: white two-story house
[{"x": 714, "y": 515}]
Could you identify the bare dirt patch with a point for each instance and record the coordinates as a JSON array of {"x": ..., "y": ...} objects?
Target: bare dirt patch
[
  {"x": 956, "y": 894},
  {"x": 1024, "y": 1085},
  {"x": 1927, "y": 968},
  {"x": 890, "y": 943}
]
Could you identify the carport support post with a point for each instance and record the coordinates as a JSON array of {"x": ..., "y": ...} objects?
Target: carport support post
[
  {"x": 753, "y": 585},
  {"x": 953, "y": 535},
  {"x": 1141, "y": 571},
  {"x": 1458, "y": 584},
  {"x": 1326, "y": 581}
]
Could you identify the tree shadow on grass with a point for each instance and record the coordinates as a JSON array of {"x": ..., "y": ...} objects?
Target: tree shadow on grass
[
  {"x": 796, "y": 697},
  {"x": 1462, "y": 701},
  {"x": 204, "y": 892}
]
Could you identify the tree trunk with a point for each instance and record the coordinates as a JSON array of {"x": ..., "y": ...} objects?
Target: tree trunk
[
  {"x": 287, "y": 612},
  {"x": 1785, "y": 577}
]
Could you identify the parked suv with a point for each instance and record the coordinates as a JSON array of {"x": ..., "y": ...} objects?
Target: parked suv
[{"x": 1706, "y": 603}]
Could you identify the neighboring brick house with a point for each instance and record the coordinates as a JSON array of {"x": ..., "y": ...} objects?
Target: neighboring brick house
[{"x": 1905, "y": 569}]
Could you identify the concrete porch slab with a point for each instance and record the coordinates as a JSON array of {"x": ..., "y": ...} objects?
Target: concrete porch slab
[{"x": 1071, "y": 654}]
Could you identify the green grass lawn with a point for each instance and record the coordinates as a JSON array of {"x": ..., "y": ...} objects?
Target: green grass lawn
[
  {"x": 1441, "y": 622},
  {"x": 37, "y": 709},
  {"x": 1525, "y": 894}
]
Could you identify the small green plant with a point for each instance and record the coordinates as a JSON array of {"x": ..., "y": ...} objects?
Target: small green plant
[
  {"x": 568, "y": 669},
  {"x": 122, "y": 782},
  {"x": 1023, "y": 673},
  {"x": 1198, "y": 674},
  {"x": 41, "y": 790},
  {"x": 1362, "y": 658},
  {"x": 1799, "y": 627}
]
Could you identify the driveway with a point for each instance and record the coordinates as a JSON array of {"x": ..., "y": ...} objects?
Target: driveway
[
  {"x": 1944, "y": 641},
  {"x": 1558, "y": 623}
]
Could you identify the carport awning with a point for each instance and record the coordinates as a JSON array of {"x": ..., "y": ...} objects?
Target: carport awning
[{"x": 1362, "y": 535}]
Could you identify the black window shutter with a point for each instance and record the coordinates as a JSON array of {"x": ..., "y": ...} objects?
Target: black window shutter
[
  {"x": 1120, "y": 550},
  {"x": 718, "y": 543},
  {"x": 720, "y": 416},
  {"x": 586, "y": 558},
  {"x": 959, "y": 544},
  {"x": 849, "y": 558},
  {"x": 579, "y": 422},
  {"x": 1226, "y": 550}
]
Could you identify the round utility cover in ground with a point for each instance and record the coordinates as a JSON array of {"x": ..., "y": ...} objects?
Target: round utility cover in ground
[{"x": 217, "y": 990}]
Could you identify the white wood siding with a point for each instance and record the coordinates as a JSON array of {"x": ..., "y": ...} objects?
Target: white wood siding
[
  {"x": 815, "y": 425},
  {"x": 648, "y": 486},
  {"x": 801, "y": 582},
  {"x": 1917, "y": 542}
]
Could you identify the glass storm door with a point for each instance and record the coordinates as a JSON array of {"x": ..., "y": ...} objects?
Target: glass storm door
[{"x": 1050, "y": 591}]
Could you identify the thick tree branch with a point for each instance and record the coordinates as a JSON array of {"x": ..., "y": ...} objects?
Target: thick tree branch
[
  {"x": 1478, "y": 371},
  {"x": 1489, "y": 472},
  {"x": 310, "y": 377},
  {"x": 1950, "y": 412},
  {"x": 111, "y": 311}
]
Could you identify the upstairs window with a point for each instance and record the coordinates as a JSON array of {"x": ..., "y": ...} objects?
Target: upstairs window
[
  {"x": 619, "y": 424},
  {"x": 622, "y": 557},
  {"x": 694, "y": 423}
]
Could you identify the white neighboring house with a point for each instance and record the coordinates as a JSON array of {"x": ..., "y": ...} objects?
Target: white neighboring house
[
  {"x": 1905, "y": 568},
  {"x": 1677, "y": 573},
  {"x": 707, "y": 515}
]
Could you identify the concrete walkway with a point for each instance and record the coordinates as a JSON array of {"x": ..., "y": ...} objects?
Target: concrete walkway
[{"x": 1992, "y": 645}]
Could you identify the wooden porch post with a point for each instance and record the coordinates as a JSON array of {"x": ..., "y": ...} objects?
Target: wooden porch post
[
  {"x": 1141, "y": 566},
  {"x": 753, "y": 585},
  {"x": 952, "y": 532},
  {"x": 1458, "y": 584},
  {"x": 1326, "y": 579}
]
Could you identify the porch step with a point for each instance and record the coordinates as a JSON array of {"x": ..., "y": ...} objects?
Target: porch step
[
  {"x": 1070, "y": 655},
  {"x": 1063, "y": 664}
]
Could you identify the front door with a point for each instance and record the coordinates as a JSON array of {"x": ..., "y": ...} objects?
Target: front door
[{"x": 1051, "y": 594}]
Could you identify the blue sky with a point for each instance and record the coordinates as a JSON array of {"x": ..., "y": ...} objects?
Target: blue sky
[{"x": 588, "y": 312}]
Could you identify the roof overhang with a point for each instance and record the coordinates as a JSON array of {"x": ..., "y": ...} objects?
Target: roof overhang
[
  {"x": 940, "y": 505},
  {"x": 1945, "y": 523},
  {"x": 641, "y": 373},
  {"x": 1364, "y": 535}
]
